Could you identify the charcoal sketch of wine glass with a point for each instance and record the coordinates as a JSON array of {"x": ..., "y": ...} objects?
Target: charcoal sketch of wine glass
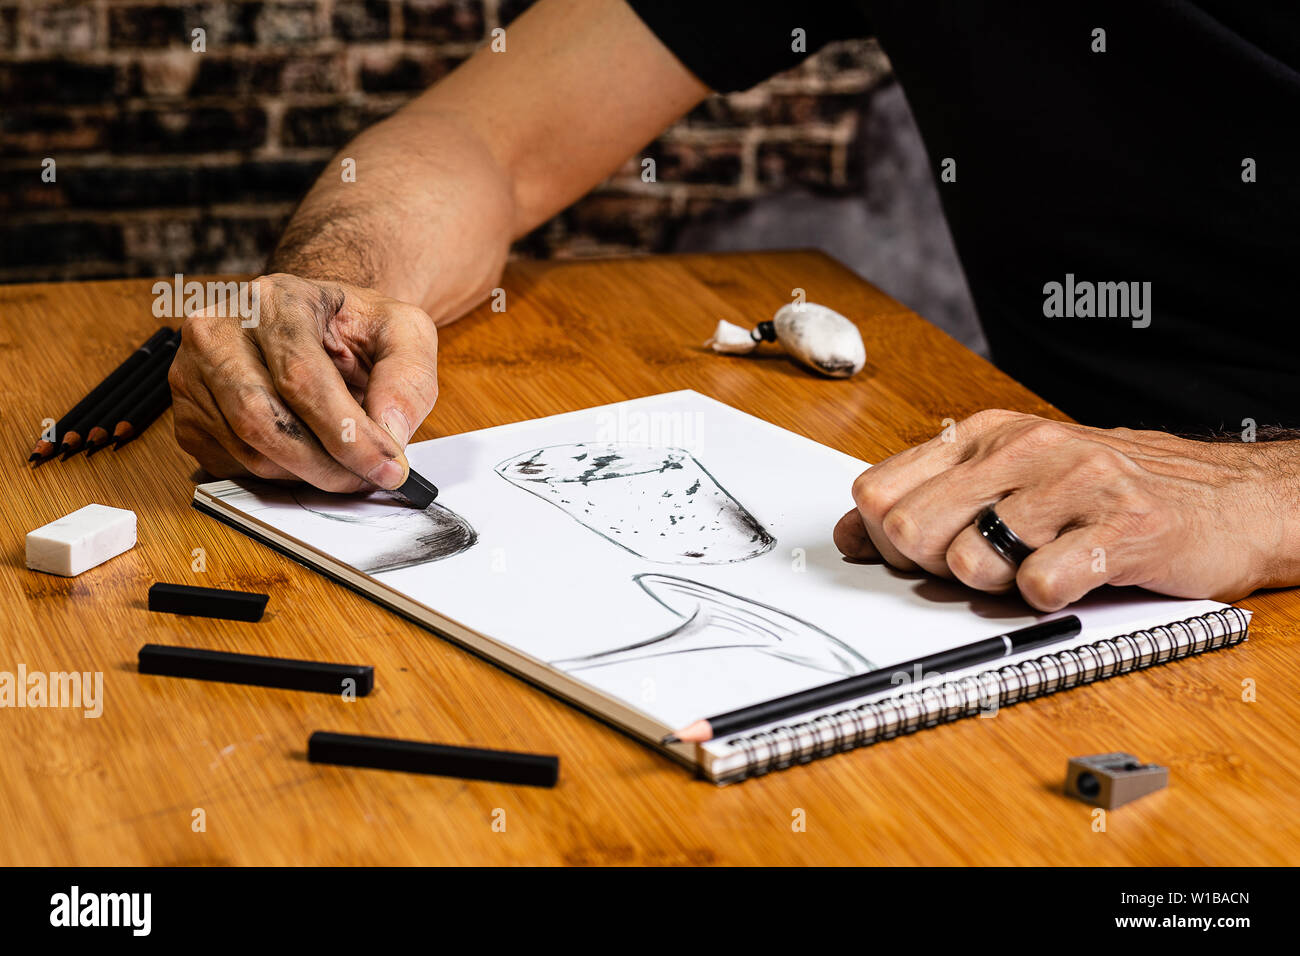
[
  {"x": 714, "y": 619},
  {"x": 386, "y": 535},
  {"x": 658, "y": 503}
]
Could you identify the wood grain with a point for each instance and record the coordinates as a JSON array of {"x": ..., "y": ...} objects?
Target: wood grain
[{"x": 122, "y": 789}]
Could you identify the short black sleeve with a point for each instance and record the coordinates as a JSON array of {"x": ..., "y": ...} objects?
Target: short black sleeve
[{"x": 733, "y": 44}]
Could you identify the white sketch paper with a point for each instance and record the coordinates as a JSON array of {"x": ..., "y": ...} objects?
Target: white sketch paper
[
  {"x": 382, "y": 533},
  {"x": 659, "y": 503},
  {"x": 713, "y": 619}
]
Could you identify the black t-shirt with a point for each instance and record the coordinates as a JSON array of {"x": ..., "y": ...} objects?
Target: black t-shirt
[{"x": 1116, "y": 167}]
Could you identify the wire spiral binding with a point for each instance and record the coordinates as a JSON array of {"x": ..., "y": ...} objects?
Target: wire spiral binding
[{"x": 785, "y": 745}]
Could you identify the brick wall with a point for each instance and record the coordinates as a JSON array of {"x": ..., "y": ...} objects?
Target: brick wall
[{"x": 169, "y": 160}]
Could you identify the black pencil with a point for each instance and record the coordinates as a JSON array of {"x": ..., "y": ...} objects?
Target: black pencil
[
  {"x": 46, "y": 448},
  {"x": 142, "y": 416},
  {"x": 145, "y": 385},
  {"x": 160, "y": 357},
  {"x": 860, "y": 685}
]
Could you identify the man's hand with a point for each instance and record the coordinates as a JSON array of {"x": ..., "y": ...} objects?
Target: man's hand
[
  {"x": 328, "y": 385},
  {"x": 1123, "y": 507}
]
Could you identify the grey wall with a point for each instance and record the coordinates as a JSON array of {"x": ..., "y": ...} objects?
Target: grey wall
[{"x": 893, "y": 234}]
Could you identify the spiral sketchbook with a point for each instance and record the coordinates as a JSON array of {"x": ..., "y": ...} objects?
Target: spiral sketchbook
[{"x": 670, "y": 558}]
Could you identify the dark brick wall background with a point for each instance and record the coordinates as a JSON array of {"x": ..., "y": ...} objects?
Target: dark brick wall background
[{"x": 175, "y": 161}]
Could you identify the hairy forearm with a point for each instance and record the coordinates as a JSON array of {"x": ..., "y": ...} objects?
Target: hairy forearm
[
  {"x": 1280, "y": 502},
  {"x": 504, "y": 142},
  {"x": 1266, "y": 475},
  {"x": 428, "y": 219}
]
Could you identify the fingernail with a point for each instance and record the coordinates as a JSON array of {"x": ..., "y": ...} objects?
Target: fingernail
[
  {"x": 387, "y": 474},
  {"x": 397, "y": 425}
]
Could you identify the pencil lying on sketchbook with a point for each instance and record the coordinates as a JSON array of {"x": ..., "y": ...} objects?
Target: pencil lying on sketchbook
[
  {"x": 860, "y": 685},
  {"x": 46, "y": 448}
]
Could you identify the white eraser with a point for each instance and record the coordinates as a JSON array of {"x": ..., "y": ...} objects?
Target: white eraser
[{"x": 81, "y": 540}]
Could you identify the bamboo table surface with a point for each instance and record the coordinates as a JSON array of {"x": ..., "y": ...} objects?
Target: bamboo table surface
[{"x": 189, "y": 772}]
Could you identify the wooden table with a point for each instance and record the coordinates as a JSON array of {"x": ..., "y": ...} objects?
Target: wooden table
[{"x": 127, "y": 788}]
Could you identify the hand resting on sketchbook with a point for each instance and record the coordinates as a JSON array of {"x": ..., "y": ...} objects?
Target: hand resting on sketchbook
[{"x": 1098, "y": 506}]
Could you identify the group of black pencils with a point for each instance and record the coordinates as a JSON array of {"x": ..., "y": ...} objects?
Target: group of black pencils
[{"x": 120, "y": 407}]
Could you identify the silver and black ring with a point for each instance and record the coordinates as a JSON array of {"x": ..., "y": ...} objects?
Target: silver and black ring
[{"x": 1001, "y": 538}]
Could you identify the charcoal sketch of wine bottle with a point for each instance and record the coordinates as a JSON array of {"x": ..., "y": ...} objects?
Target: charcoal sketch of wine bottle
[
  {"x": 658, "y": 503},
  {"x": 713, "y": 619},
  {"x": 384, "y": 535}
]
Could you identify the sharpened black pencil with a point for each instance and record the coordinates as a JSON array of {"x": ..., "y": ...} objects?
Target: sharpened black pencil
[
  {"x": 159, "y": 357},
  {"x": 136, "y": 390},
  {"x": 143, "y": 415},
  {"x": 46, "y": 449}
]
